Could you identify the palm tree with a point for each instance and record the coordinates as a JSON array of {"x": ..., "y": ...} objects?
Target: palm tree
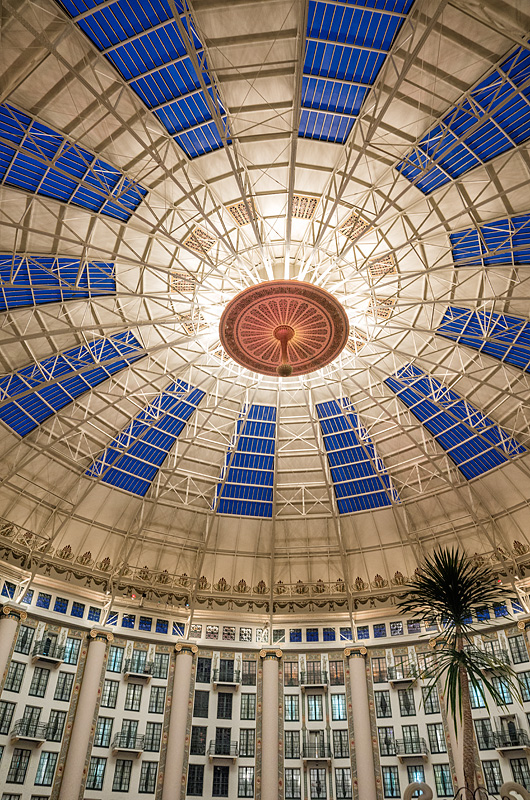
[{"x": 447, "y": 589}]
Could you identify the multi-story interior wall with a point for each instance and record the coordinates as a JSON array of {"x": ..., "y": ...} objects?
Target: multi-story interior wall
[{"x": 132, "y": 749}]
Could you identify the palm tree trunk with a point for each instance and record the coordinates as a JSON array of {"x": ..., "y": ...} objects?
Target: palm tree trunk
[{"x": 468, "y": 733}]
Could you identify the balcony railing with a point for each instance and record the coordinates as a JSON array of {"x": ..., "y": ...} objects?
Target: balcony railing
[
  {"x": 316, "y": 751},
  {"x": 405, "y": 672},
  {"x": 319, "y": 678},
  {"x": 25, "y": 729},
  {"x": 126, "y": 741},
  {"x": 137, "y": 668},
  {"x": 230, "y": 676},
  {"x": 515, "y": 738},
  {"x": 223, "y": 749},
  {"x": 411, "y": 747},
  {"x": 48, "y": 650}
]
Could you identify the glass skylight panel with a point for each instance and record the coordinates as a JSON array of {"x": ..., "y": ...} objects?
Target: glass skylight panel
[
  {"x": 346, "y": 46},
  {"x": 504, "y": 241},
  {"x": 36, "y": 158},
  {"x": 491, "y": 118},
  {"x": 359, "y": 476},
  {"x": 248, "y": 472},
  {"x": 41, "y": 389},
  {"x": 34, "y": 280},
  {"x": 133, "y": 459},
  {"x": 501, "y": 336},
  {"x": 474, "y": 442},
  {"x": 142, "y": 40}
]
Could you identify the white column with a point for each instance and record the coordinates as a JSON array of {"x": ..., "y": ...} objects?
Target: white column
[
  {"x": 174, "y": 777},
  {"x": 269, "y": 724},
  {"x": 362, "y": 731},
  {"x": 74, "y": 769},
  {"x": 9, "y": 619}
]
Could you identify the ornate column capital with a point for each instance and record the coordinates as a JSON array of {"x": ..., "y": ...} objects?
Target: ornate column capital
[
  {"x": 356, "y": 652},
  {"x": 12, "y": 612},
  {"x": 186, "y": 647},
  {"x": 97, "y": 635},
  {"x": 523, "y": 624},
  {"x": 267, "y": 655}
]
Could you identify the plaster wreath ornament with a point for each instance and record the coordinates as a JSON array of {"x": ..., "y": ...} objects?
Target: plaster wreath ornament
[
  {"x": 359, "y": 584},
  {"x": 261, "y": 588}
]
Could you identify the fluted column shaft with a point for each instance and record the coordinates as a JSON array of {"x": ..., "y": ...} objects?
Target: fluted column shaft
[
  {"x": 269, "y": 724},
  {"x": 178, "y": 720},
  {"x": 73, "y": 776},
  {"x": 362, "y": 732},
  {"x": 9, "y": 620}
]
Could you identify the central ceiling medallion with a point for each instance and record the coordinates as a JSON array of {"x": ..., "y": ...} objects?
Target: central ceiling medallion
[{"x": 284, "y": 328}]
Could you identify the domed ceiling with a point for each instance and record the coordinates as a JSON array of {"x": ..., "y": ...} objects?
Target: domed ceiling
[{"x": 159, "y": 157}]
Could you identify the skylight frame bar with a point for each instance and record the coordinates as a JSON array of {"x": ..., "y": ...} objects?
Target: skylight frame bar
[{"x": 484, "y": 233}]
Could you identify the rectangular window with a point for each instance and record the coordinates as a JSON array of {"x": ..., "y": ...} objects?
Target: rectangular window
[
  {"x": 341, "y": 746},
  {"x": 245, "y": 634},
  {"x": 292, "y": 784},
  {"x": 162, "y": 626},
  {"x": 224, "y": 705},
  {"x": 317, "y": 783},
  {"x": 292, "y": 744},
  {"x": 200, "y": 704},
  {"x": 226, "y": 669},
  {"x": 161, "y": 665},
  {"x": 19, "y": 765},
  {"x": 198, "y": 740},
  {"x": 61, "y": 605},
  {"x": 109, "y": 695},
  {"x": 43, "y": 600},
  {"x": 518, "y": 649},
  {"x": 476, "y": 694},
  {"x": 71, "y": 650},
  {"x": 328, "y": 634},
  {"x": 204, "y": 670},
  {"x": 430, "y": 699},
  {"x": 443, "y": 781},
  {"x": 46, "y": 768},
  {"x": 503, "y": 689},
  {"x": 387, "y": 743},
  {"x": 220, "y": 782},
  {"x": 133, "y": 697},
  {"x": 291, "y": 707},
  {"x": 382, "y": 704},
  {"x": 15, "y": 676},
  {"x": 436, "y": 735},
  {"x": 144, "y": 623},
  {"x": 314, "y": 708},
  {"x": 122, "y": 775},
  {"x": 291, "y": 673},
  {"x": 63, "y": 687},
  {"x": 195, "y": 780},
  {"x": 78, "y": 609},
  {"x": 94, "y": 614},
  {"x": 524, "y": 684},
  {"x": 379, "y": 670},
  {"x": 115, "y": 659},
  {"x": 24, "y": 639},
  {"x": 39, "y": 682},
  {"x": 407, "y": 707},
  {"x": 157, "y": 699},
  {"x": 6, "y": 715},
  {"x": 245, "y": 782},
  {"x": 96, "y": 772},
  {"x": 336, "y": 673},
  {"x": 103, "y": 732},
  {"x": 338, "y": 706},
  {"x": 248, "y": 674},
  {"x": 248, "y": 707},
  {"x": 247, "y": 742},
  {"x": 484, "y": 734},
  {"x": 148, "y": 774},
  {"x": 153, "y": 736},
  {"x": 343, "y": 783},
  {"x": 493, "y": 776},
  {"x": 56, "y": 723},
  {"x": 416, "y": 774},
  {"x": 229, "y": 633},
  {"x": 391, "y": 782},
  {"x": 520, "y": 772}
]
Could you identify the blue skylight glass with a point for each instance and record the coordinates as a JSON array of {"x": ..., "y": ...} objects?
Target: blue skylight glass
[
  {"x": 346, "y": 47},
  {"x": 178, "y": 629},
  {"x": 134, "y": 457},
  {"x": 249, "y": 465},
  {"x": 78, "y": 609},
  {"x": 43, "y": 600},
  {"x": 346, "y": 634},
  {"x": 474, "y": 442},
  {"x": 142, "y": 41},
  {"x": 328, "y": 634},
  {"x": 61, "y": 605},
  {"x": 295, "y": 635},
  {"x": 34, "y": 280},
  {"x": 36, "y": 158},
  {"x": 413, "y": 626},
  {"x": 94, "y": 614},
  {"x": 128, "y": 620},
  {"x": 491, "y": 118},
  {"x": 145, "y": 623},
  {"x": 8, "y": 589},
  {"x": 501, "y": 336},
  {"x": 363, "y": 632},
  {"x": 359, "y": 476},
  {"x": 28, "y": 597},
  {"x": 162, "y": 626},
  {"x": 379, "y": 630},
  {"x": 112, "y": 618},
  {"x": 311, "y": 635},
  {"x": 41, "y": 389},
  {"x": 504, "y": 241}
]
